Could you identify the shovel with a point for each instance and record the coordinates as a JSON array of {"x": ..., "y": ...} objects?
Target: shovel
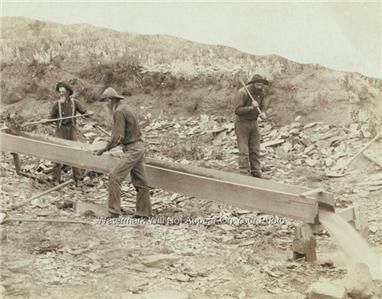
[
  {"x": 341, "y": 172},
  {"x": 49, "y": 120}
]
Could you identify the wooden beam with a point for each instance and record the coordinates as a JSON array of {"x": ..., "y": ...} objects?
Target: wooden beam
[
  {"x": 239, "y": 178},
  {"x": 57, "y": 153},
  {"x": 324, "y": 197},
  {"x": 234, "y": 194},
  {"x": 232, "y": 189}
]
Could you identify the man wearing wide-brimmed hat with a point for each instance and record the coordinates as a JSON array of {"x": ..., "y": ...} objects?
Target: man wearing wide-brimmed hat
[
  {"x": 66, "y": 106},
  {"x": 127, "y": 133},
  {"x": 246, "y": 126}
]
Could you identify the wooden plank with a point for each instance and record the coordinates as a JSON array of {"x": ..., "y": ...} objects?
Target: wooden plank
[
  {"x": 57, "y": 153},
  {"x": 242, "y": 196},
  {"x": 323, "y": 197},
  {"x": 273, "y": 200},
  {"x": 233, "y": 177}
]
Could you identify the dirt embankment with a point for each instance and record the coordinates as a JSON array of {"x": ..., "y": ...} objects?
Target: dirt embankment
[
  {"x": 319, "y": 95},
  {"x": 169, "y": 75}
]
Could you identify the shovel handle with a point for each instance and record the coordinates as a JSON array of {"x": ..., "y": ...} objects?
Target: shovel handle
[
  {"x": 361, "y": 151},
  {"x": 249, "y": 94}
]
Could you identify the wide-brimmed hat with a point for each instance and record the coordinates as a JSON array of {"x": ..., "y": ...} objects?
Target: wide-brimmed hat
[
  {"x": 258, "y": 79},
  {"x": 66, "y": 86},
  {"x": 110, "y": 93}
]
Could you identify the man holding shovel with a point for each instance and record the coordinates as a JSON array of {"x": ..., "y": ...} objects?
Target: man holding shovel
[
  {"x": 66, "y": 107},
  {"x": 126, "y": 132},
  {"x": 249, "y": 103}
]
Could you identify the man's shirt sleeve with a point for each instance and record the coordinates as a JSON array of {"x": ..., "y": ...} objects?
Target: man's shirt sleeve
[
  {"x": 54, "y": 111},
  {"x": 240, "y": 104},
  {"x": 79, "y": 107},
  {"x": 118, "y": 132}
]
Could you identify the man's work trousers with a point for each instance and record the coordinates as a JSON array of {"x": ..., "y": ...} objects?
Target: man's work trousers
[
  {"x": 69, "y": 133},
  {"x": 131, "y": 162},
  {"x": 248, "y": 140}
]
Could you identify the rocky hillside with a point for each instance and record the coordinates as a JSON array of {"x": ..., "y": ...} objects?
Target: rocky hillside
[{"x": 168, "y": 74}]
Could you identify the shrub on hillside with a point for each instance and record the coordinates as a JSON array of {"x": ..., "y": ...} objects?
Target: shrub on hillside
[
  {"x": 119, "y": 75},
  {"x": 89, "y": 95},
  {"x": 192, "y": 103},
  {"x": 12, "y": 97}
]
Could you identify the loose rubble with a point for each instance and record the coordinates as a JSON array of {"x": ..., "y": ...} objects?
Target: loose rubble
[{"x": 207, "y": 260}]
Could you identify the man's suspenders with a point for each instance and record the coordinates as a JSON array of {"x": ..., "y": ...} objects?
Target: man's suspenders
[{"x": 60, "y": 111}]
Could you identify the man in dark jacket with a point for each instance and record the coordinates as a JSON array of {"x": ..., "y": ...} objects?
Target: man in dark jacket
[
  {"x": 66, "y": 128},
  {"x": 126, "y": 132},
  {"x": 246, "y": 127}
]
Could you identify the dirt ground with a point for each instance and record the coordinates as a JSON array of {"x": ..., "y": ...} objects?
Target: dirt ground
[{"x": 171, "y": 260}]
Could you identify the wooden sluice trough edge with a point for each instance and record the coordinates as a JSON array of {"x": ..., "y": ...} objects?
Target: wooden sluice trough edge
[{"x": 232, "y": 189}]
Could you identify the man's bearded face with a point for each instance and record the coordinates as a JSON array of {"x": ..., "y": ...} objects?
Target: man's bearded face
[{"x": 63, "y": 93}]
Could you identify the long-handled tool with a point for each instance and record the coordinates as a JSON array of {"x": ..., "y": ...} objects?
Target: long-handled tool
[
  {"x": 249, "y": 94},
  {"x": 102, "y": 130},
  {"x": 55, "y": 119},
  {"x": 361, "y": 151},
  {"x": 41, "y": 194},
  {"x": 341, "y": 172}
]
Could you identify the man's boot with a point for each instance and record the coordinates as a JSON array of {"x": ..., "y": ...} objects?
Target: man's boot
[{"x": 258, "y": 174}]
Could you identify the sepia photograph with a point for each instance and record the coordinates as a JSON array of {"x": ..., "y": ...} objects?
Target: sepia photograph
[{"x": 191, "y": 149}]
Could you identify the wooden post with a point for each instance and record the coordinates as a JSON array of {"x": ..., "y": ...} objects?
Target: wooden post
[
  {"x": 355, "y": 215},
  {"x": 16, "y": 160},
  {"x": 304, "y": 244},
  {"x": 360, "y": 222}
]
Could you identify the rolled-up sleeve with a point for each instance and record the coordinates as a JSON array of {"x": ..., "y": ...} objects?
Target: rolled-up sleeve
[{"x": 79, "y": 107}]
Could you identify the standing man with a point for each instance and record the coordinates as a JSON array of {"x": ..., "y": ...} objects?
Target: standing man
[
  {"x": 126, "y": 132},
  {"x": 246, "y": 127},
  {"x": 66, "y": 128}
]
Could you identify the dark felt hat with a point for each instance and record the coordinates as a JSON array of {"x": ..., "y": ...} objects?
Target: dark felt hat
[
  {"x": 110, "y": 93},
  {"x": 258, "y": 79},
  {"x": 66, "y": 86}
]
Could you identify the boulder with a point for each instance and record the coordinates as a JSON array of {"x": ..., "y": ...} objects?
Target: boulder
[
  {"x": 359, "y": 282},
  {"x": 326, "y": 290}
]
